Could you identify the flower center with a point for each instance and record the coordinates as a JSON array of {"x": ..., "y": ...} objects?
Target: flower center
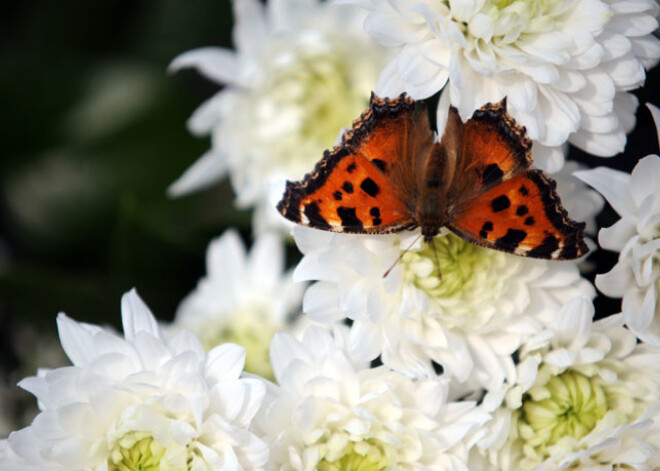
[
  {"x": 445, "y": 268},
  {"x": 502, "y": 4},
  {"x": 311, "y": 92},
  {"x": 571, "y": 406},
  {"x": 366, "y": 455},
  {"x": 249, "y": 329},
  {"x": 136, "y": 452}
]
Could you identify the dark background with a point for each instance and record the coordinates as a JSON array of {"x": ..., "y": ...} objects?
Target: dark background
[{"x": 93, "y": 132}]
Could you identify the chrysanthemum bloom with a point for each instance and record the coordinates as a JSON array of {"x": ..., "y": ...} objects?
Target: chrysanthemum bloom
[
  {"x": 565, "y": 65},
  {"x": 636, "y": 276},
  {"x": 465, "y": 307},
  {"x": 331, "y": 412},
  {"x": 140, "y": 402},
  {"x": 300, "y": 72},
  {"x": 586, "y": 395},
  {"x": 243, "y": 299}
]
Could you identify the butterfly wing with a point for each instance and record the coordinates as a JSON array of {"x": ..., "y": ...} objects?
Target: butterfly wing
[
  {"x": 366, "y": 184},
  {"x": 524, "y": 216},
  {"x": 489, "y": 148}
]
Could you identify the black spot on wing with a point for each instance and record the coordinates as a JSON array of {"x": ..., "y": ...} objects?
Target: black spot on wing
[
  {"x": 522, "y": 210},
  {"x": 382, "y": 166},
  {"x": 370, "y": 187},
  {"x": 337, "y": 195},
  {"x": 347, "y": 187},
  {"x": 523, "y": 190},
  {"x": 529, "y": 221},
  {"x": 511, "y": 239},
  {"x": 375, "y": 213},
  {"x": 314, "y": 216},
  {"x": 348, "y": 217},
  {"x": 547, "y": 247},
  {"x": 500, "y": 203},
  {"x": 350, "y": 168},
  {"x": 485, "y": 229},
  {"x": 491, "y": 174}
]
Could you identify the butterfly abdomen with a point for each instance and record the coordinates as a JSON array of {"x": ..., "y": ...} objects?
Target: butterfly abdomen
[{"x": 431, "y": 211}]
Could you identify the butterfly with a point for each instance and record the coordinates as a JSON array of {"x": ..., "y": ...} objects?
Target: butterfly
[{"x": 390, "y": 175}]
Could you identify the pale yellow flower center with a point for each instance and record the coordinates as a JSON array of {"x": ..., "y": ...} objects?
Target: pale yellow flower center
[
  {"x": 249, "y": 329},
  {"x": 501, "y": 4},
  {"x": 501, "y": 23},
  {"x": 366, "y": 455},
  {"x": 573, "y": 405},
  {"x": 310, "y": 94},
  {"x": 136, "y": 452},
  {"x": 445, "y": 268}
]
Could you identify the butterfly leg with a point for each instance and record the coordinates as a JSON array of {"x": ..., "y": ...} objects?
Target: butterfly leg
[{"x": 398, "y": 259}]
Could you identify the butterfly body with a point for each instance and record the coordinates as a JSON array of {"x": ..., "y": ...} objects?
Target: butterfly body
[{"x": 389, "y": 175}]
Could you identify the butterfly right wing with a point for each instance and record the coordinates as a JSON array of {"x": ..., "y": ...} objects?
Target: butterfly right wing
[
  {"x": 498, "y": 202},
  {"x": 366, "y": 184},
  {"x": 524, "y": 216},
  {"x": 489, "y": 148}
]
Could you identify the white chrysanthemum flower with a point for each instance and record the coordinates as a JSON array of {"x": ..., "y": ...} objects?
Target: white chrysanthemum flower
[
  {"x": 140, "y": 402},
  {"x": 301, "y": 71},
  {"x": 243, "y": 299},
  {"x": 469, "y": 321},
  {"x": 565, "y": 65},
  {"x": 332, "y": 412},
  {"x": 636, "y": 276},
  {"x": 586, "y": 394}
]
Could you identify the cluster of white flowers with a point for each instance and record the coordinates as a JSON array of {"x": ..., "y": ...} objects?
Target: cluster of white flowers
[
  {"x": 462, "y": 357},
  {"x": 243, "y": 299},
  {"x": 565, "y": 65}
]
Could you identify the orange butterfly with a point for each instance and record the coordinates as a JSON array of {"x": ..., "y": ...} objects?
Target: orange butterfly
[{"x": 389, "y": 175}]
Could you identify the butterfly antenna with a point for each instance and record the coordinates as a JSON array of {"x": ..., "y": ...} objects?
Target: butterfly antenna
[{"x": 401, "y": 256}]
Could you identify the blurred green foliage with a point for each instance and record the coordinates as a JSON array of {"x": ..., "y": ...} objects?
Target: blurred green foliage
[{"x": 93, "y": 132}]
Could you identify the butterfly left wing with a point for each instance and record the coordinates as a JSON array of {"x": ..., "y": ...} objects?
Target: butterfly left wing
[
  {"x": 366, "y": 184},
  {"x": 345, "y": 193},
  {"x": 524, "y": 216}
]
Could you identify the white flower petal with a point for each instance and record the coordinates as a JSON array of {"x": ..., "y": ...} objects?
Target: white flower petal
[
  {"x": 319, "y": 303},
  {"x": 77, "y": 340},
  {"x": 616, "y": 282},
  {"x": 250, "y": 28},
  {"x": 646, "y": 176},
  {"x": 612, "y": 185},
  {"x": 137, "y": 318},
  {"x": 225, "y": 362},
  {"x": 215, "y": 63},
  {"x": 208, "y": 170}
]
